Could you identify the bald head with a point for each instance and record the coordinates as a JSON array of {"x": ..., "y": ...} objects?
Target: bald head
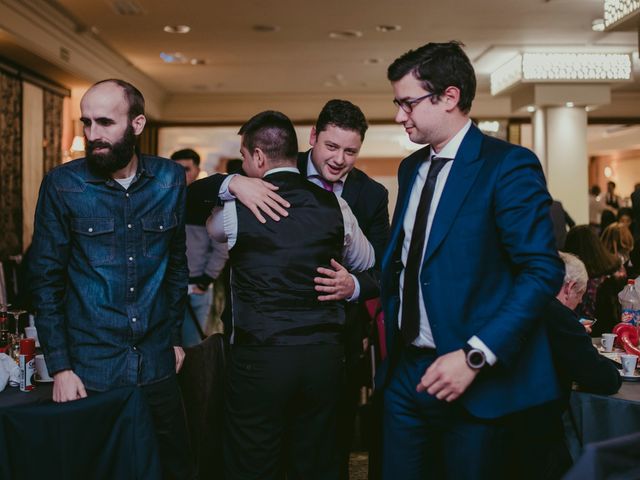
[{"x": 111, "y": 121}]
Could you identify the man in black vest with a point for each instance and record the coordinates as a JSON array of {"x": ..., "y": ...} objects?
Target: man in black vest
[{"x": 286, "y": 359}]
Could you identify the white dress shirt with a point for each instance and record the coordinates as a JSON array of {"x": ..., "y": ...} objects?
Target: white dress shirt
[
  {"x": 425, "y": 337},
  {"x": 357, "y": 252}
]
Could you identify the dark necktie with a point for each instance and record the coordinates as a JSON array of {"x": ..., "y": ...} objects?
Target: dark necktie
[{"x": 410, "y": 325}]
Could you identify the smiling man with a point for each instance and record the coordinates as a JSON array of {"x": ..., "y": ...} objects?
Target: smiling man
[
  {"x": 470, "y": 266},
  {"x": 108, "y": 269}
]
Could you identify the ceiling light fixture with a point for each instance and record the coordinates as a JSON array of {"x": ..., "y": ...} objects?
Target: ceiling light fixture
[
  {"x": 175, "y": 57},
  {"x": 177, "y": 28},
  {"x": 569, "y": 104},
  {"x": 562, "y": 67},
  {"x": 388, "y": 28},
  {"x": 531, "y": 109},
  {"x": 197, "y": 61},
  {"x": 598, "y": 25},
  {"x": 345, "y": 34},
  {"x": 618, "y": 11}
]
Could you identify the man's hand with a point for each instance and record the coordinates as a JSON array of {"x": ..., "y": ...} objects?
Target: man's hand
[
  {"x": 67, "y": 387},
  {"x": 448, "y": 377},
  {"x": 179, "y": 357},
  {"x": 259, "y": 196},
  {"x": 337, "y": 284}
]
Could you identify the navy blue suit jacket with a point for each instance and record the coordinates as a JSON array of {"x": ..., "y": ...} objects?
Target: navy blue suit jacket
[{"x": 489, "y": 269}]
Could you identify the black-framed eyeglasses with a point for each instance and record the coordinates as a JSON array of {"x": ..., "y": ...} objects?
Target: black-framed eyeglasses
[{"x": 408, "y": 104}]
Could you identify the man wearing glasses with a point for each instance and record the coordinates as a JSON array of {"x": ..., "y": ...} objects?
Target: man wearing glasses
[{"x": 469, "y": 268}]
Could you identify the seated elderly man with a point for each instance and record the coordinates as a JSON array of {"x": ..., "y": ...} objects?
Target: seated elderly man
[{"x": 542, "y": 453}]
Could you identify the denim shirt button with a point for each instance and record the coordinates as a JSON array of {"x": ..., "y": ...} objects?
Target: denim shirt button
[
  {"x": 131, "y": 259},
  {"x": 129, "y": 225},
  {"x": 126, "y": 195},
  {"x": 90, "y": 230},
  {"x": 161, "y": 227},
  {"x": 131, "y": 289},
  {"x": 135, "y": 348},
  {"x": 134, "y": 319}
]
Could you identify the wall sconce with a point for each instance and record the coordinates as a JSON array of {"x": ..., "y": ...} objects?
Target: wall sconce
[{"x": 77, "y": 145}]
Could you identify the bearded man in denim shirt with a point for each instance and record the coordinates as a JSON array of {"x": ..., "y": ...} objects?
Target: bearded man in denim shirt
[{"x": 109, "y": 271}]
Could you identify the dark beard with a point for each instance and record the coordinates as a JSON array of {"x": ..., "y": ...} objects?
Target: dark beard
[{"x": 116, "y": 158}]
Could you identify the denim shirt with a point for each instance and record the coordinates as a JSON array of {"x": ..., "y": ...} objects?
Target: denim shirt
[{"x": 109, "y": 274}]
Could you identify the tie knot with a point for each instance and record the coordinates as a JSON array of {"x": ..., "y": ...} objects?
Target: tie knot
[
  {"x": 325, "y": 184},
  {"x": 437, "y": 163}
]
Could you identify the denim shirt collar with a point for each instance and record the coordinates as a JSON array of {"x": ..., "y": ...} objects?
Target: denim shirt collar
[{"x": 144, "y": 168}]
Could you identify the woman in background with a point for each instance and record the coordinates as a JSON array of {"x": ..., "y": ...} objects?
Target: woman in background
[{"x": 606, "y": 278}]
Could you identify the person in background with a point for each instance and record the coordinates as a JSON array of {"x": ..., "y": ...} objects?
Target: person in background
[
  {"x": 234, "y": 165},
  {"x": 606, "y": 278},
  {"x": 205, "y": 257},
  {"x": 542, "y": 451},
  {"x": 562, "y": 222},
  {"x": 607, "y": 217},
  {"x": 286, "y": 357},
  {"x": 612, "y": 199},
  {"x": 596, "y": 205},
  {"x": 617, "y": 239},
  {"x": 471, "y": 264},
  {"x": 108, "y": 269}
]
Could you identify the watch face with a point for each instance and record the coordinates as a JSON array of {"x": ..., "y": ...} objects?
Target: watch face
[{"x": 476, "y": 359}]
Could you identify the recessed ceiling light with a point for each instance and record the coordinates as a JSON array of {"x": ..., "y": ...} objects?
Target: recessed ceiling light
[
  {"x": 344, "y": 34},
  {"x": 597, "y": 25},
  {"x": 372, "y": 61},
  {"x": 531, "y": 109},
  {"x": 197, "y": 61},
  {"x": 265, "y": 28},
  {"x": 388, "y": 28},
  {"x": 177, "y": 28},
  {"x": 174, "y": 57},
  {"x": 569, "y": 104}
]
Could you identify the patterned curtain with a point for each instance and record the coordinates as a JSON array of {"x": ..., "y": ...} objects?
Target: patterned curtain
[
  {"x": 10, "y": 165},
  {"x": 52, "y": 135}
]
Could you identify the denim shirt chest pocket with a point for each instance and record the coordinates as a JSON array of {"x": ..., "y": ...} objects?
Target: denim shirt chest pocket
[
  {"x": 158, "y": 229},
  {"x": 95, "y": 238}
]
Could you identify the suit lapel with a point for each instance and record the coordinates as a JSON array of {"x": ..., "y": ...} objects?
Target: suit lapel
[
  {"x": 463, "y": 173},
  {"x": 351, "y": 189}
]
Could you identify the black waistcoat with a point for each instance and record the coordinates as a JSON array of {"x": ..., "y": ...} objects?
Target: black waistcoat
[{"x": 274, "y": 301}]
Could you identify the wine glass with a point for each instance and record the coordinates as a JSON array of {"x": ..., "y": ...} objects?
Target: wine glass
[{"x": 16, "y": 316}]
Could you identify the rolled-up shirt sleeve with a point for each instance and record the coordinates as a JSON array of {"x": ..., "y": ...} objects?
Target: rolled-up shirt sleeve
[
  {"x": 222, "y": 224},
  {"x": 358, "y": 254}
]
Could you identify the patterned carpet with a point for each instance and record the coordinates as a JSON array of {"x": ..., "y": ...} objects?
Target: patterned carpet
[{"x": 358, "y": 466}]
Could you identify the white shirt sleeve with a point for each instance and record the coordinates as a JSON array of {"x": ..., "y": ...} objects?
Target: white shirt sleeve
[
  {"x": 357, "y": 254},
  {"x": 475, "y": 342},
  {"x": 224, "y": 194},
  {"x": 222, "y": 224}
]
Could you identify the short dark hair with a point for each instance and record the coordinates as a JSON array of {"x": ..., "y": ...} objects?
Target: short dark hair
[
  {"x": 134, "y": 97},
  {"x": 612, "y": 184},
  {"x": 342, "y": 114},
  {"x": 187, "y": 154},
  {"x": 273, "y": 133},
  {"x": 438, "y": 66}
]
